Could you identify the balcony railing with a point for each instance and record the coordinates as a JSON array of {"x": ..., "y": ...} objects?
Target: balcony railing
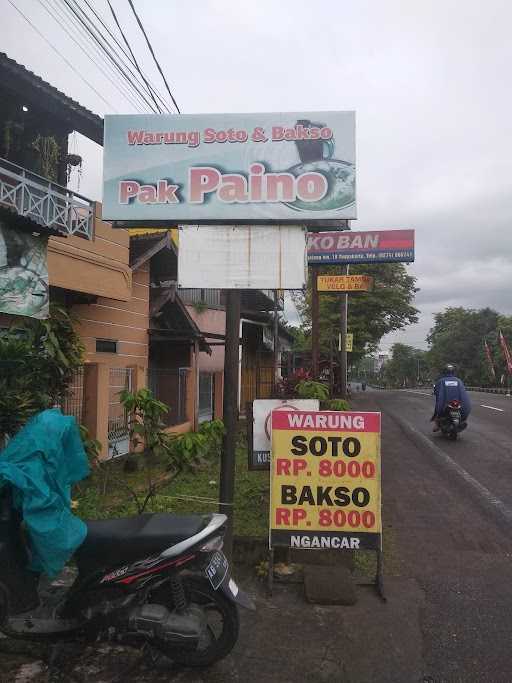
[{"x": 46, "y": 203}]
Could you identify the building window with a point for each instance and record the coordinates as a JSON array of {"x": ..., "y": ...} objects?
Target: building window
[{"x": 106, "y": 346}]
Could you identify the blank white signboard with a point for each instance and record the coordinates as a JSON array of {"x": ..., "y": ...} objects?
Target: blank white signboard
[{"x": 242, "y": 257}]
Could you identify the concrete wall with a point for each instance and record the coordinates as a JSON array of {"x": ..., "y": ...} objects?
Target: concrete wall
[
  {"x": 214, "y": 321},
  {"x": 99, "y": 266}
]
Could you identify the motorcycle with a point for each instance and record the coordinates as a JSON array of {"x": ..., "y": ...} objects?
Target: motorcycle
[
  {"x": 451, "y": 422},
  {"x": 153, "y": 579}
]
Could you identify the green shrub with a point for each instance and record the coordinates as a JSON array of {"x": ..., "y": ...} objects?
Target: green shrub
[
  {"x": 38, "y": 359},
  {"x": 92, "y": 446},
  {"x": 308, "y": 388},
  {"x": 336, "y": 404},
  {"x": 191, "y": 449}
]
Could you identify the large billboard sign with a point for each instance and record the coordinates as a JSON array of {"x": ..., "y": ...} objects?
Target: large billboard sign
[
  {"x": 325, "y": 480},
  {"x": 242, "y": 257},
  {"x": 201, "y": 168},
  {"x": 373, "y": 246}
]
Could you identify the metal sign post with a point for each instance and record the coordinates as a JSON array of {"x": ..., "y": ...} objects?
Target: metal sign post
[
  {"x": 315, "y": 322},
  {"x": 343, "y": 356},
  {"x": 230, "y": 414}
]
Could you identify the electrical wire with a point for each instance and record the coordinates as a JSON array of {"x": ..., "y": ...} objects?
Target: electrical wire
[
  {"x": 116, "y": 84},
  {"x": 129, "y": 55},
  {"x": 133, "y": 56},
  {"x": 41, "y": 35},
  {"x": 84, "y": 22},
  {"x": 153, "y": 55},
  {"x": 103, "y": 49},
  {"x": 91, "y": 31}
]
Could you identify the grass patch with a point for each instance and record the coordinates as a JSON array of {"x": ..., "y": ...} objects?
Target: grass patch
[{"x": 190, "y": 492}]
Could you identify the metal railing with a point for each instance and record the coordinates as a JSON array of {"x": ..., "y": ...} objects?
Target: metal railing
[
  {"x": 208, "y": 297},
  {"x": 169, "y": 385},
  {"x": 118, "y": 420},
  {"x": 491, "y": 390},
  {"x": 73, "y": 402},
  {"x": 45, "y": 202}
]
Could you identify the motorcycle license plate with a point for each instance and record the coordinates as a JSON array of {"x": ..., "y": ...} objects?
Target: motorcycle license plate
[
  {"x": 217, "y": 569},
  {"x": 455, "y": 415}
]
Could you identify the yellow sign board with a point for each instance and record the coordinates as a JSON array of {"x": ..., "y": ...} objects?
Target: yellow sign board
[
  {"x": 349, "y": 342},
  {"x": 345, "y": 283},
  {"x": 325, "y": 480}
]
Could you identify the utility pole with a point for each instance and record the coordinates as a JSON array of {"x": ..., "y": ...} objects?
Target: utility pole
[
  {"x": 315, "y": 331},
  {"x": 230, "y": 414},
  {"x": 343, "y": 353},
  {"x": 276, "y": 339}
]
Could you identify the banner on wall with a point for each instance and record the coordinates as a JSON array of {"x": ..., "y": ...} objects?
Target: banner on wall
[
  {"x": 285, "y": 167},
  {"x": 24, "y": 286}
]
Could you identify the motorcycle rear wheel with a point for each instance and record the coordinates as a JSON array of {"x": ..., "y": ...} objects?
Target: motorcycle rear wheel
[{"x": 221, "y": 631}]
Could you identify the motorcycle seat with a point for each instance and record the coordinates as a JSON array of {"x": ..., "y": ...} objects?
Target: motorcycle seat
[{"x": 111, "y": 542}]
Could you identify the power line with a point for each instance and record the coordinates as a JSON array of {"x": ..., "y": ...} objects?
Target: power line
[
  {"x": 101, "y": 47},
  {"x": 116, "y": 85},
  {"x": 153, "y": 55},
  {"x": 131, "y": 52},
  {"x": 104, "y": 47},
  {"x": 101, "y": 42},
  {"x": 111, "y": 106},
  {"x": 130, "y": 56}
]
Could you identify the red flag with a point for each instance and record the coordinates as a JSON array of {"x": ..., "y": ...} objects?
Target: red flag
[
  {"x": 489, "y": 358},
  {"x": 506, "y": 352}
]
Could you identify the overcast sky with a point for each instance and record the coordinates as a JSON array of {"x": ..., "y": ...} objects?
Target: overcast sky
[{"x": 429, "y": 80}]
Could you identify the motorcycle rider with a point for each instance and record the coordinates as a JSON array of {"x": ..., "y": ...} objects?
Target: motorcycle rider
[{"x": 449, "y": 388}]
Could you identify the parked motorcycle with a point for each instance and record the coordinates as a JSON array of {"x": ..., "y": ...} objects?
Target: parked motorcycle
[
  {"x": 157, "y": 579},
  {"x": 451, "y": 422}
]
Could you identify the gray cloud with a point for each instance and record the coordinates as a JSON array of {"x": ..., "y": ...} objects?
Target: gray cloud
[{"x": 429, "y": 82}]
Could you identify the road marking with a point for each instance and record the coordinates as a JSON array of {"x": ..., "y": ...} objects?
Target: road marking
[
  {"x": 488, "y": 499},
  {"x": 492, "y": 408}
]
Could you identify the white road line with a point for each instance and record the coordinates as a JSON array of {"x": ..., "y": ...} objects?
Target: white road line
[{"x": 492, "y": 408}]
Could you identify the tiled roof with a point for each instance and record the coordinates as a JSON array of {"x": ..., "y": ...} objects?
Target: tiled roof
[{"x": 25, "y": 82}]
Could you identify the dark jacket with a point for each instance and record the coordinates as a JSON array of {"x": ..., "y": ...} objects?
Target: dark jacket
[{"x": 449, "y": 388}]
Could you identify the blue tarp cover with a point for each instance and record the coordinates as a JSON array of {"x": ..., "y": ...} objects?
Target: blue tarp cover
[{"x": 41, "y": 463}]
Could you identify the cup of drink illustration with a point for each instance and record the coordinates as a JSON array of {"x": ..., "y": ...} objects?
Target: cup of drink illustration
[{"x": 317, "y": 155}]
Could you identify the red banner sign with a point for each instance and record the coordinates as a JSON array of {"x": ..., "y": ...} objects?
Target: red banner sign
[{"x": 374, "y": 246}]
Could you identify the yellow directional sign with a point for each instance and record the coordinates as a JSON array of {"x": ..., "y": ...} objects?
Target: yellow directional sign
[
  {"x": 345, "y": 283},
  {"x": 349, "y": 342}
]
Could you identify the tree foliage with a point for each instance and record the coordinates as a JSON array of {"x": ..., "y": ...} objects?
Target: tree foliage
[
  {"x": 371, "y": 315},
  {"x": 38, "y": 359},
  {"x": 406, "y": 367},
  {"x": 458, "y": 337}
]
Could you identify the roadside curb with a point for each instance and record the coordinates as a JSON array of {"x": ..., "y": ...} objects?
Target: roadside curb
[{"x": 487, "y": 499}]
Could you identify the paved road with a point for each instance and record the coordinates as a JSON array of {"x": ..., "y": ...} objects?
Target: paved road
[
  {"x": 445, "y": 535},
  {"x": 448, "y": 574}
]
